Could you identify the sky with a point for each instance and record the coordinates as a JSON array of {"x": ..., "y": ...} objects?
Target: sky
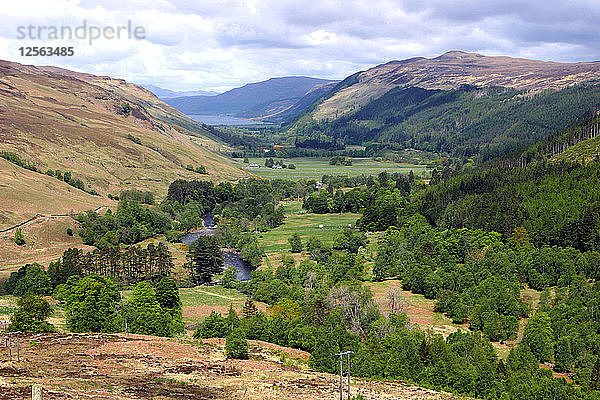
[{"x": 218, "y": 45}]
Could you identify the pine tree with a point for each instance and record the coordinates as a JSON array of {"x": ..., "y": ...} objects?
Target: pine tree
[
  {"x": 167, "y": 294},
  {"x": 205, "y": 259},
  {"x": 538, "y": 336},
  {"x": 233, "y": 321},
  {"x": 249, "y": 309},
  {"x": 164, "y": 261},
  {"x": 563, "y": 356},
  {"x": 236, "y": 345},
  {"x": 424, "y": 351},
  {"x": 295, "y": 243}
]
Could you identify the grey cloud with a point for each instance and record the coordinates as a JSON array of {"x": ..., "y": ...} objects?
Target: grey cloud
[{"x": 219, "y": 44}]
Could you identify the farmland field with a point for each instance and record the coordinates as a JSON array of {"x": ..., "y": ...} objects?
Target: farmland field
[
  {"x": 306, "y": 225},
  {"x": 198, "y": 302},
  {"x": 315, "y": 168}
]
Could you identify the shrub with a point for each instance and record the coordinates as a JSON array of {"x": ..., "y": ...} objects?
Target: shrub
[
  {"x": 295, "y": 243},
  {"x": 236, "y": 345},
  {"x": 213, "y": 326},
  {"x": 35, "y": 281},
  {"x": 134, "y": 139},
  {"x": 229, "y": 279},
  {"x": 31, "y": 315},
  {"x": 174, "y": 236},
  {"x": 19, "y": 240},
  {"x": 125, "y": 110},
  {"x": 144, "y": 314},
  {"x": 91, "y": 304}
]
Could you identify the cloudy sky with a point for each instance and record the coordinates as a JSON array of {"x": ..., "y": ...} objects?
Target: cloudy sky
[{"x": 217, "y": 45}]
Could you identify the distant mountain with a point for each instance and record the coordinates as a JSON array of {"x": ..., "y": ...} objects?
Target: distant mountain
[
  {"x": 257, "y": 100},
  {"x": 169, "y": 94},
  {"x": 288, "y": 114},
  {"x": 460, "y": 104}
]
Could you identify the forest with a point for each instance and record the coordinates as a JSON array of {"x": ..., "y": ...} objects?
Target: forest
[
  {"x": 467, "y": 122},
  {"x": 556, "y": 202}
]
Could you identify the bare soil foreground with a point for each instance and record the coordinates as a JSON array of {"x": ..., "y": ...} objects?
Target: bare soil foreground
[{"x": 71, "y": 366}]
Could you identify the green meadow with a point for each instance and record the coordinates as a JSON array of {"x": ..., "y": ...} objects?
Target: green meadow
[
  {"x": 306, "y": 225},
  {"x": 315, "y": 168}
]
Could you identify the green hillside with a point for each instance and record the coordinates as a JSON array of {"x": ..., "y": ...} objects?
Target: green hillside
[
  {"x": 550, "y": 189},
  {"x": 459, "y": 104},
  {"x": 464, "y": 122}
]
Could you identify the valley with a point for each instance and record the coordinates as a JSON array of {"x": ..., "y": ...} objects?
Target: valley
[
  {"x": 437, "y": 217},
  {"x": 75, "y": 123}
]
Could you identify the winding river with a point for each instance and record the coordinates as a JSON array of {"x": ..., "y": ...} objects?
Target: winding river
[{"x": 230, "y": 258}]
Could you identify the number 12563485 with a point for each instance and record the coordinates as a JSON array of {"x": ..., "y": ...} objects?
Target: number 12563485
[{"x": 46, "y": 51}]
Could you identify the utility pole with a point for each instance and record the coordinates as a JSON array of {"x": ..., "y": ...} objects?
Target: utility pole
[
  {"x": 37, "y": 392},
  {"x": 341, "y": 373},
  {"x": 10, "y": 344},
  {"x": 347, "y": 354}
]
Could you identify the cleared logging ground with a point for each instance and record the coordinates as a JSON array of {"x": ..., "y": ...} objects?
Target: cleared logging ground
[{"x": 418, "y": 309}]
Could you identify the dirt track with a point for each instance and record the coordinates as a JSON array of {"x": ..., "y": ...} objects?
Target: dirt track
[{"x": 144, "y": 367}]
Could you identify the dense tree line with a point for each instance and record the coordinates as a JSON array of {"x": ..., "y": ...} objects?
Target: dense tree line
[
  {"x": 130, "y": 223},
  {"x": 555, "y": 144},
  {"x": 135, "y": 195},
  {"x": 131, "y": 265},
  {"x": 94, "y": 304},
  {"x": 128, "y": 266},
  {"x": 557, "y": 203},
  {"x": 383, "y": 201},
  {"x": 154, "y": 310},
  {"x": 30, "y": 279},
  {"x": 473, "y": 274},
  {"x": 567, "y": 330},
  {"x": 188, "y": 202}
]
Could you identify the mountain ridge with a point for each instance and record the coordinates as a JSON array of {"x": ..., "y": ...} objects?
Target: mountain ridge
[
  {"x": 252, "y": 100},
  {"x": 163, "y": 93},
  {"x": 459, "y": 104},
  {"x": 455, "y": 68}
]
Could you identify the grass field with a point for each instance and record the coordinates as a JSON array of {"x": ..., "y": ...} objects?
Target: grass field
[
  {"x": 315, "y": 168},
  {"x": 418, "y": 309},
  {"x": 198, "y": 302},
  {"x": 306, "y": 225}
]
